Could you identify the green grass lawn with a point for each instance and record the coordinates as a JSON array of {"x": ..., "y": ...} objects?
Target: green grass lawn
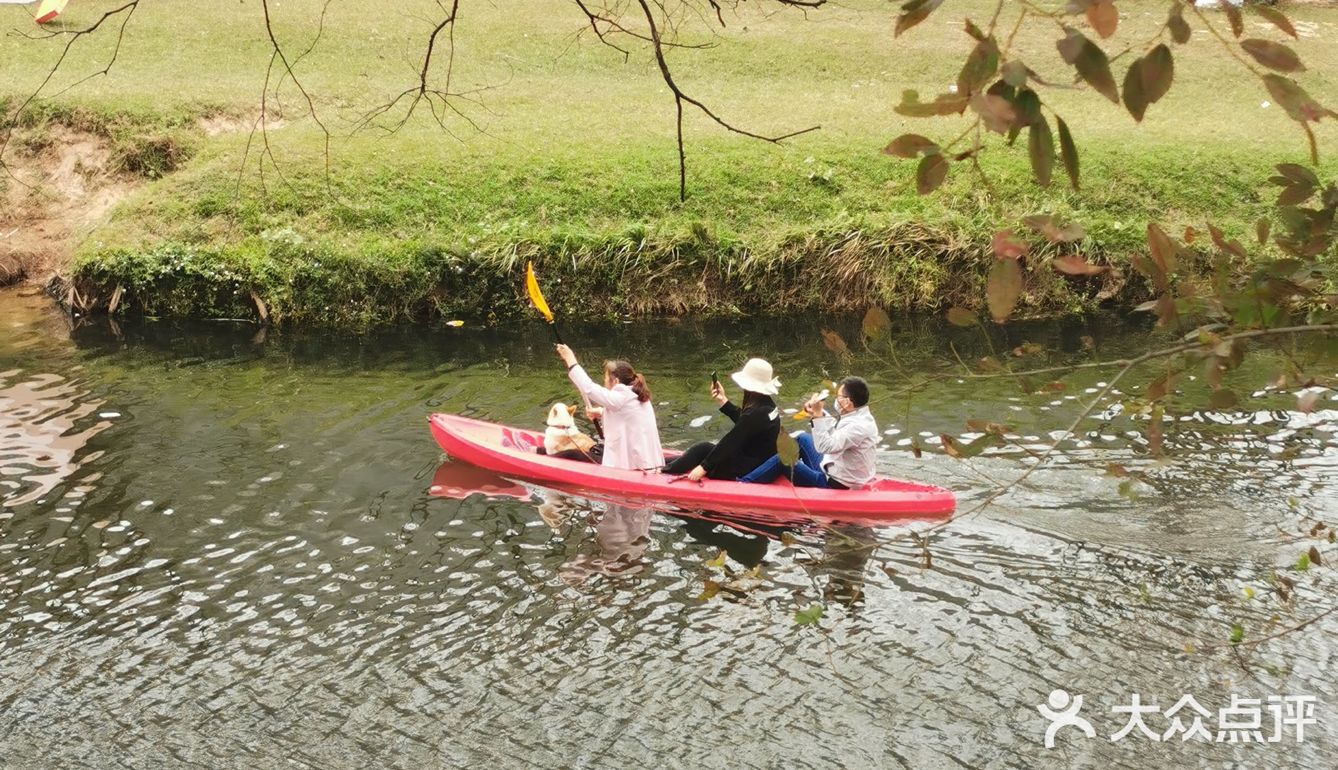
[{"x": 568, "y": 157}]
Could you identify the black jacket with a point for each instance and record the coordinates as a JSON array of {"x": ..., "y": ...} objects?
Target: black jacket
[{"x": 751, "y": 442}]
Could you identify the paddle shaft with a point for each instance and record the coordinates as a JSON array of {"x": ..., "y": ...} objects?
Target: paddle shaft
[{"x": 599, "y": 428}]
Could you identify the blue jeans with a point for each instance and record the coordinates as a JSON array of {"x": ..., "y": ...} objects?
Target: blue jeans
[{"x": 807, "y": 472}]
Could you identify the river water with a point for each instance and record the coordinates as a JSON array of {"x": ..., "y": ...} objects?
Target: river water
[{"x": 226, "y": 547}]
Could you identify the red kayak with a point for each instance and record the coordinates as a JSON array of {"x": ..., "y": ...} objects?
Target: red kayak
[{"x": 511, "y": 452}]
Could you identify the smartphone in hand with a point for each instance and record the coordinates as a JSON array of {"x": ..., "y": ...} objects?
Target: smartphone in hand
[{"x": 715, "y": 381}]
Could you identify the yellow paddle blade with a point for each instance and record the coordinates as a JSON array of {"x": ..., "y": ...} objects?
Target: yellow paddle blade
[{"x": 536, "y": 296}]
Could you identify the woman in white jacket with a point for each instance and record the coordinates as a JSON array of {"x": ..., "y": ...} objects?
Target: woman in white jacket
[{"x": 631, "y": 435}]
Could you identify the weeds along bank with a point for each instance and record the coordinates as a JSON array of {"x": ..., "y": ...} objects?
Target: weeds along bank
[{"x": 570, "y": 161}]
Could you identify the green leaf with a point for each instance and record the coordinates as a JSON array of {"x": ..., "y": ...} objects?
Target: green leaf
[
  {"x": 961, "y": 317},
  {"x": 808, "y": 617},
  {"x": 931, "y": 172},
  {"x": 1068, "y": 151},
  {"x": 914, "y": 12},
  {"x": 1237, "y": 633},
  {"x": 1091, "y": 63},
  {"x": 910, "y": 146},
  {"x": 1275, "y": 56},
  {"x": 1041, "y": 149},
  {"x": 1003, "y": 288},
  {"x": 1275, "y": 16},
  {"x": 1303, "y": 563}
]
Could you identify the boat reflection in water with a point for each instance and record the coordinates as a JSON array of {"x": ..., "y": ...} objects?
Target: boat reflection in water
[{"x": 622, "y": 531}]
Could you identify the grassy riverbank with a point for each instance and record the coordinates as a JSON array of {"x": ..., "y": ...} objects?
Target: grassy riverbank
[{"x": 567, "y": 157}]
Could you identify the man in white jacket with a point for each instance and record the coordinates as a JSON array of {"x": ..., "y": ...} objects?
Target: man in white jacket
[{"x": 841, "y": 451}]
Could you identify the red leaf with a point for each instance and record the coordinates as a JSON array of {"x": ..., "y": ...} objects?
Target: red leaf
[
  {"x": 1007, "y": 246},
  {"x": 1275, "y": 16},
  {"x": 914, "y": 12},
  {"x": 910, "y": 146},
  {"x": 1003, "y": 288},
  {"x": 1275, "y": 56},
  {"x": 1072, "y": 264},
  {"x": 1233, "y": 15},
  {"x": 1103, "y": 17}
]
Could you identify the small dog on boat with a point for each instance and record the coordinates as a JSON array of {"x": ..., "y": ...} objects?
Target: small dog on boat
[{"x": 562, "y": 433}]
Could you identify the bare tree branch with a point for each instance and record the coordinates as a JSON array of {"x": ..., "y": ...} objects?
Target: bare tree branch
[
  {"x": 680, "y": 97},
  {"x": 12, "y": 121}
]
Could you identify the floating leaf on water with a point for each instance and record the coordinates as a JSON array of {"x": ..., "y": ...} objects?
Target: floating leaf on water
[
  {"x": 1117, "y": 470},
  {"x": 1314, "y": 557},
  {"x": 889, "y": 571},
  {"x": 455, "y": 324},
  {"x": 1303, "y": 563},
  {"x": 1189, "y": 648},
  {"x": 787, "y": 540},
  {"x": 809, "y": 616},
  {"x": 1127, "y": 490},
  {"x": 1248, "y": 592},
  {"x": 1237, "y": 633},
  {"x": 709, "y": 589},
  {"x": 718, "y": 561}
]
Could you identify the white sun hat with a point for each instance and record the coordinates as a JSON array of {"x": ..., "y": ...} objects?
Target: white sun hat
[{"x": 756, "y": 376}]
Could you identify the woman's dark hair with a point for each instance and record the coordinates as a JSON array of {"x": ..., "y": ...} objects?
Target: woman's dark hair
[
  {"x": 857, "y": 389},
  {"x": 751, "y": 397},
  {"x": 624, "y": 373}
]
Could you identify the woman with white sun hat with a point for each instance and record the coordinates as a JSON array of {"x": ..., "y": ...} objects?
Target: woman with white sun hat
[{"x": 750, "y": 442}]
